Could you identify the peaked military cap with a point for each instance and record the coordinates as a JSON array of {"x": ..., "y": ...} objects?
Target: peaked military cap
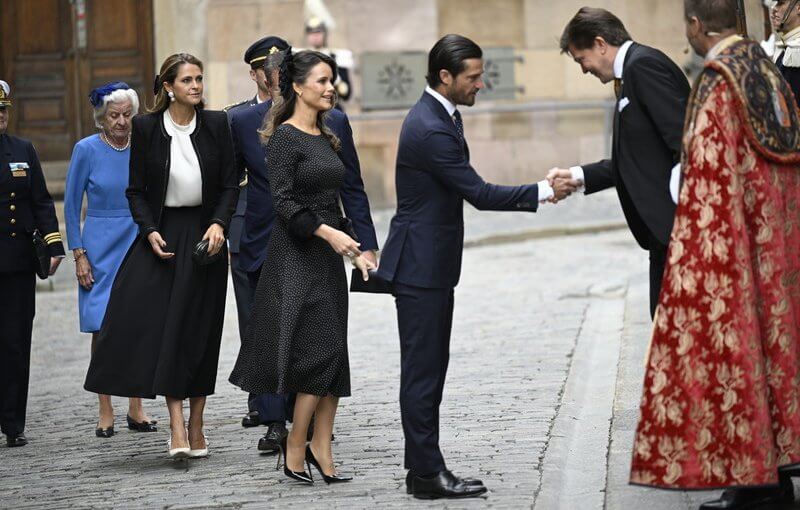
[
  {"x": 5, "y": 95},
  {"x": 258, "y": 51}
]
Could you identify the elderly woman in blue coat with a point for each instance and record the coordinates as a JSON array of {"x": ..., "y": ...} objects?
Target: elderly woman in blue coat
[{"x": 99, "y": 170}]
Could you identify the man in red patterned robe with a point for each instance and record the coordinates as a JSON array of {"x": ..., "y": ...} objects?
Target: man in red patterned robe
[{"x": 721, "y": 400}]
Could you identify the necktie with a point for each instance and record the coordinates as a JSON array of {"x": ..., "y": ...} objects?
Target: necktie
[
  {"x": 617, "y": 87},
  {"x": 459, "y": 126}
]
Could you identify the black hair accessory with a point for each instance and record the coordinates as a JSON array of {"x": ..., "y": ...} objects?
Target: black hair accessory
[
  {"x": 156, "y": 85},
  {"x": 286, "y": 72}
]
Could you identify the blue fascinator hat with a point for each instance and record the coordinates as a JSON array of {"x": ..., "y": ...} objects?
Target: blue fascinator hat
[{"x": 96, "y": 96}]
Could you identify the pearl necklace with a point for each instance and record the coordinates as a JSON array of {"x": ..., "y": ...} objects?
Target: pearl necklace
[{"x": 118, "y": 149}]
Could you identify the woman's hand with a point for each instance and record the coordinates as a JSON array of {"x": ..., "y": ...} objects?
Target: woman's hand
[
  {"x": 341, "y": 243},
  {"x": 364, "y": 265},
  {"x": 158, "y": 244},
  {"x": 83, "y": 270},
  {"x": 216, "y": 238}
]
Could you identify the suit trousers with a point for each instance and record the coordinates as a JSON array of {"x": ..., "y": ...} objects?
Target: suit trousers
[
  {"x": 424, "y": 319},
  {"x": 17, "y": 307},
  {"x": 271, "y": 407},
  {"x": 244, "y": 301},
  {"x": 658, "y": 259}
]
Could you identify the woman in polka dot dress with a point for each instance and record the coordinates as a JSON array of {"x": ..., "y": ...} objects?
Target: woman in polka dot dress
[{"x": 297, "y": 338}]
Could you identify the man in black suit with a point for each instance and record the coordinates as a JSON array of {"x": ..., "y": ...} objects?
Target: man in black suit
[
  {"x": 651, "y": 93},
  {"x": 25, "y": 206},
  {"x": 255, "y": 56},
  {"x": 273, "y": 409},
  {"x": 422, "y": 254}
]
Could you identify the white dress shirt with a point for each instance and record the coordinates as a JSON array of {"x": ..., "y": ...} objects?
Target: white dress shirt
[
  {"x": 545, "y": 191},
  {"x": 185, "y": 186}
]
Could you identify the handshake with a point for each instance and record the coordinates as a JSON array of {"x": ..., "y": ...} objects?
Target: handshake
[{"x": 563, "y": 182}]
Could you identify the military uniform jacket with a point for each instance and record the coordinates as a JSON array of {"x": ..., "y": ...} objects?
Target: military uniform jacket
[{"x": 25, "y": 206}]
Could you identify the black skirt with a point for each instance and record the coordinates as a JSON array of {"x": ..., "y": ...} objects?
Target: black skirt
[{"x": 163, "y": 326}]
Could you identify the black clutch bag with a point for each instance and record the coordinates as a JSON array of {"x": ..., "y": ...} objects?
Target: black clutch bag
[
  {"x": 41, "y": 254},
  {"x": 375, "y": 284},
  {"x": 200, "y": 254}
]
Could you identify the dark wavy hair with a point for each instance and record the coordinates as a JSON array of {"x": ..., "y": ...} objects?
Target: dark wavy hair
[
  {"x": 168, "y": 74},
  {"x": 295, "y": 68}
]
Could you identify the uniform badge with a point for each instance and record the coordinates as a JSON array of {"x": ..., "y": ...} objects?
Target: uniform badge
[{"x": 19, "y": 169}]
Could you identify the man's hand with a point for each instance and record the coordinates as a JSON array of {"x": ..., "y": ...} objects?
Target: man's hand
[
  {"x": 558, "y": 173},
  {"x": 54, "y": 262}
]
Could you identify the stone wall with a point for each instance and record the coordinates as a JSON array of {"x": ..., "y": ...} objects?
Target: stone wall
[{"x": 505, "y": 147}]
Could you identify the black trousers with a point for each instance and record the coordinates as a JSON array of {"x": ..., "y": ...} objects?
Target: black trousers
[
  {"x": 424, "y": 319},
  {"x": 658, "y": 258},
  {"x": 271, "y": 407},
  {"x": 17, "y": 307}
]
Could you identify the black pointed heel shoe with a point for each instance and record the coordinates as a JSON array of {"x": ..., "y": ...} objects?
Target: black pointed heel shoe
[
  {"x": 300, "y": 476},
  {"x": 329, "y": 479},
  {"x": 141, "y": 426},
  {"x": 108, "y": 432}
]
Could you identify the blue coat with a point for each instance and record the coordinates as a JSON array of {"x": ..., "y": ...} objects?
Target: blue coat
[
  {"x": 259, "y": 214},
  {"x": 433, "y": 178}
]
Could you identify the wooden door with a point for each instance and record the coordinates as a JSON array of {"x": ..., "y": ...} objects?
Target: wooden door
[
  {"x": 55, "y": 51},
  {"x": 36, "y": 42}
]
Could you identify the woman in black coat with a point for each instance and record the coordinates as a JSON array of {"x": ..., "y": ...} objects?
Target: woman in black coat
[{"x": 162, "y": 330}]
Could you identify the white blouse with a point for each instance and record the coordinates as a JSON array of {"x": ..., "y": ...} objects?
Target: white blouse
[{"x": 185, "y": 186}]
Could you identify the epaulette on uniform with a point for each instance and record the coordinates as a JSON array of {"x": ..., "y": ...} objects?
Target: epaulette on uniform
[{"x": 234, "y": 105}]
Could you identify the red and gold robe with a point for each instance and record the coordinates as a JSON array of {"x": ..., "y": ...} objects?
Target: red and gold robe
[{"x": 721, "y": 400}]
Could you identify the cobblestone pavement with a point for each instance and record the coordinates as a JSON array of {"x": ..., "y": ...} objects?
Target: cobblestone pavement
[{"x": 531, "y": 319}]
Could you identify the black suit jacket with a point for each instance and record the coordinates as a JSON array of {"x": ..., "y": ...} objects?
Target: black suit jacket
[
  {"x": 433, "y": 178},
  {"x": 149, "y": 168},
  {"x": 646, "y": 143},
  {"x": 260, "y": 215},
  {"x": 25, "y": 206}
]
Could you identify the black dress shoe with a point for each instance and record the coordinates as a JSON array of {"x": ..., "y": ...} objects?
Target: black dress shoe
[
  {"x": 251, "y": 419},
  {"x": 751, "y": 498},
  {"x": 410, "y": 479},
  {"x": 271, "y": 442},
  {"x": 107, "y": 432},
  {"x": 444, "y": 484},
  {"x": 17, "y": 440},
  {"x": 141, "y": 426}
]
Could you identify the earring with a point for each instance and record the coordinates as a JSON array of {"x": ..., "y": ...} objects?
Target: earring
[
  {"x": 300, "y": 93},
  {"x": 171, "y": 96}
]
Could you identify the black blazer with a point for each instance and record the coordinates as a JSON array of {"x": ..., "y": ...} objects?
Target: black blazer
[
  {"x": 25, "y": 206},
  {"x": 646, "y": 144},
  {"x": 149, "y": 168},
  {"x": 433, "y": 178}
]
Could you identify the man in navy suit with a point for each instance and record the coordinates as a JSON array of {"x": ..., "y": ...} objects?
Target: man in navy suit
[
  {"x": 422, "y": 255},
  {"x": 259, "y": 216}
]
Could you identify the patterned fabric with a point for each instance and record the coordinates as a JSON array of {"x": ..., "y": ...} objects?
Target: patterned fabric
[
  {"x": 721, "y": 400},
  {"x": 772, "y": 124}
]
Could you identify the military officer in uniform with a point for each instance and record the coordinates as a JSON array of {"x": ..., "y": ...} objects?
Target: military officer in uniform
[
  {"x": 317, "y": 40},
  {"x": 255, "y": 56},
  {"x": 25, "y": 206}
]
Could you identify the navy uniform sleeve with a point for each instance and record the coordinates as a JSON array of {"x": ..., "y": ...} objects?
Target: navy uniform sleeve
[
  {"x": 44, "y": 212},
  {"x": 449, "y": 165},
  {"x": 354, "y": 199}
]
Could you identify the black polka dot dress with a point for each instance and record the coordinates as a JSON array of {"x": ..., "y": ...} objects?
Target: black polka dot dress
[{"x": 297, "y": 337}]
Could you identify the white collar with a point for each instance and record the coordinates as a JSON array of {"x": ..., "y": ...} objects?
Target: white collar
[
  {"x": 259, "y": 100},
  {"x": 448, "y": 105},
  {"x": 619, "y": 60},
  {"x": 721, "y": 45},
  {"x": 792, "y": 35}
]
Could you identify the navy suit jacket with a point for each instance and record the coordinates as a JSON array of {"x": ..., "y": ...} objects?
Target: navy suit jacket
[
  {"x": 433, "y": 178},
  {"x": 260, "y": 216}
]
